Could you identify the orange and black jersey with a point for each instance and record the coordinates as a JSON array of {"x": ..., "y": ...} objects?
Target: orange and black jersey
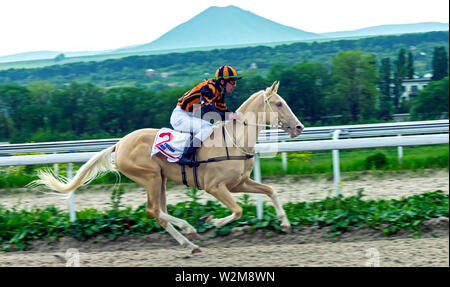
[{"x": 205, "y": 94}]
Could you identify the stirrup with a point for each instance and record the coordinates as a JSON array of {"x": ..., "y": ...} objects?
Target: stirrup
[
  {"x": 188, "y": 157},
  {"x": 188, "y": 161}
]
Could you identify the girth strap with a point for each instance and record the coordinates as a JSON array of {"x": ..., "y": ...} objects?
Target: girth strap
[
  {"x": 225, "y": 141},
  {"x": 195, "y": 172},
  {"x": 183, "y": 174},
  {"x": 230, "y": 157}
]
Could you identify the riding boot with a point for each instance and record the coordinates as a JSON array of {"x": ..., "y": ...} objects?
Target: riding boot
[{"x": 189, "y": 152}]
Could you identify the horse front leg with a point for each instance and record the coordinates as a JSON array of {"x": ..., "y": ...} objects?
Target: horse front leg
[
  {"x": 251, "y": 186},
  {"x": 186, "y": 228},
  {"x": 222, "y": 193}
]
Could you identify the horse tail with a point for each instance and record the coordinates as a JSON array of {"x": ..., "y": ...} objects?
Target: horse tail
[{"x": 95, "y": 167}]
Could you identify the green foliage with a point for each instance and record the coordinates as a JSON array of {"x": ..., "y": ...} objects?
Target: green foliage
[
  {"x": 340, "y": 88},
  {"x": 59, "y": 58},
  {"x": 440, "y": 63},
  {"x": 19, "y": 227},
  {"x": 431, "y": 101},
  {"x": 377, "y": 160},
  {"x": 130, "y": 70},
  {"x": 355, "y": 78},
  {"x": 385, "y": 104},
  {"x": 116, "y": 197}
]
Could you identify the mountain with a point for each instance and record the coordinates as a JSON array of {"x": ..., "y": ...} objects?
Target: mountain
[
  {"x": 391, "y": 29},
  {"x": 222, "y": 26}
]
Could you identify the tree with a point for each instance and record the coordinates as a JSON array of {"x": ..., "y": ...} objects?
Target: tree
[
  {"x": 15, "y": 101},
  {"x": 431, "y": 101},
  {"x": 355, "y": 79},
  {"x": 6, "y": 128},
  {"x": 400, "y": 73},
  {"x": 250, "y": 83},
  {"x": 440, "y": 63},
  {"x": 410, "y": 67},
  {"x": 303, "y": 88},
  {"x": 59, "y": 57},
  {"x": 385, "y": 103}
]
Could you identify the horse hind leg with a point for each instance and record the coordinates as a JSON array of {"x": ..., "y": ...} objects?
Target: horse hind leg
[
  {"x": 164, "y": 220},
  {"x": 155, "y": 210},
  {"x": 152, "y": 181}
]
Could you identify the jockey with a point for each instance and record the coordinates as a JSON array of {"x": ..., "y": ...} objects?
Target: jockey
[{"x": 206, "y": 96}]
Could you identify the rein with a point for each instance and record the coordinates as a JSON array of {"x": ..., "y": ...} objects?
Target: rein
[{"x": 266, "y": 104}]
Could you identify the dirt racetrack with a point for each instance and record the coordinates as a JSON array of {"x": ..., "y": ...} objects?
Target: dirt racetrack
[{"x": 309, "y": 247}]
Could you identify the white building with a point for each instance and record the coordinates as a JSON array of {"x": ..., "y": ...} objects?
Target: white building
[{"x": 411, "y": 88}]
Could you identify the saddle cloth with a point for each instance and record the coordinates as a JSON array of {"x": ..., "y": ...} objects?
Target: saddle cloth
[{"x": 170, "y": 143}]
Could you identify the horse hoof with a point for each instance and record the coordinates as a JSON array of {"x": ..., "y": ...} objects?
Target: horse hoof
[
  {"x": 286, "y": 228},
  {"x": 196, "y": 250},
  {"x": 205, "y": 218},
  {"x": 193, "y": 236}
]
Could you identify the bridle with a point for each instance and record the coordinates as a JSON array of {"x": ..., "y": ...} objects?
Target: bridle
[
  {"x": 277, "y": 126},
  {"x": 266, "y": 104}
]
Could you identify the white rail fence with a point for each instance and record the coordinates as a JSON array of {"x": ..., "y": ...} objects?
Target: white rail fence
[{"x": 264, "y": 146}]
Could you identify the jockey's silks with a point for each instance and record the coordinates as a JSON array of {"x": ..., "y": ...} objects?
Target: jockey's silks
[{"x": 209, "y": 92}]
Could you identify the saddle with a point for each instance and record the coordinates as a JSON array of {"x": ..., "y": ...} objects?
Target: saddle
[{"x": 172, "y": 144}]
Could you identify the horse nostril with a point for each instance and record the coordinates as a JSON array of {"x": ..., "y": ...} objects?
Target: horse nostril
[{"x": 299, "y": 128}]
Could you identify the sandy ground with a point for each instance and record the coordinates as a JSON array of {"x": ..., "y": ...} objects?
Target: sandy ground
[{"x": 308, "y": 247}]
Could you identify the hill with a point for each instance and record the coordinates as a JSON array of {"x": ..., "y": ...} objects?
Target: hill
[
  {"x": 229, "y": 25},
  {"x": 392, "y": 29}
]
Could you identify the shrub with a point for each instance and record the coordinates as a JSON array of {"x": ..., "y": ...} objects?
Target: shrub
[
  {"x": 341, "y": 214},
  {"x": 377, "y": 160}
]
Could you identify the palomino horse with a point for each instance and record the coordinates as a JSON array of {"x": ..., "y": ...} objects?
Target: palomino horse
[{"x": 132, "y": 158}]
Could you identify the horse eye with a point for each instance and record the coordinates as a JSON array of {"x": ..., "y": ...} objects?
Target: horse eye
[{"x": 279, "y": 104}]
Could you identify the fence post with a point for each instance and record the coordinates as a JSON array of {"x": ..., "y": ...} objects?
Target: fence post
[
  {"x": 72, "y": 195},
  {"x": 400, "y": 152},
  {"x": 257, "y": 174},
  {"x": 284, "y": 161},
  {"x": 55, "y": 167},
  {"x": 336, "y": 168}
]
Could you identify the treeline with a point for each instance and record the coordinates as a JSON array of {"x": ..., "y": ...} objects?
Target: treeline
[
  {"x": 183, "y": 67},
  {"x": 346, "y": 92}
]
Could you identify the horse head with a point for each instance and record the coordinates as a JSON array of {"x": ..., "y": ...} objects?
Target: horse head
[{"x": 274, "y": 103}]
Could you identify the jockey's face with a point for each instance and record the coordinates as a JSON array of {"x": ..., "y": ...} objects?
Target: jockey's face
[{"x": 229, "y": 87}]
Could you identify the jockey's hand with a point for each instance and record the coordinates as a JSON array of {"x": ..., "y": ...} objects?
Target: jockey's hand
[{"x": 234, "y": 116}]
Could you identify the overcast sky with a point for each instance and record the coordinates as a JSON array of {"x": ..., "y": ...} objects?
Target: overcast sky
[{"x": 89, "y": 25}]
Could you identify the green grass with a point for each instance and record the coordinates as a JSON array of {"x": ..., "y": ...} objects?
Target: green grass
[
  {"x": 414, "y": 158},
  {"x": 299, "y": 163}
]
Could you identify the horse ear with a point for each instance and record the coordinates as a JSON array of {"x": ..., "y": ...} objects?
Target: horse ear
[
  {"x": 273, "y": 88},
  {"x": 276, "y": 86}
]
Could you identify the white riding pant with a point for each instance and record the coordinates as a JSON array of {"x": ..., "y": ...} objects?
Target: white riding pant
[{"x": 186, "y": 122}]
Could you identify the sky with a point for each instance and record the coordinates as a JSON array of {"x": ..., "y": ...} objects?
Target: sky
[{"x": 93, "y": 25}]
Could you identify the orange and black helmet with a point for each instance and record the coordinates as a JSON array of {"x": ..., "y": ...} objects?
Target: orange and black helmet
[{"x": 227, "y": 73}]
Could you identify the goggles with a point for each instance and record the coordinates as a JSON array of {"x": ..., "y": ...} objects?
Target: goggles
[{"x": 232, "y": 82}]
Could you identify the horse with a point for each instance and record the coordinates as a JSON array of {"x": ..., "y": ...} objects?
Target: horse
[{"x": 220, "y": 178}]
